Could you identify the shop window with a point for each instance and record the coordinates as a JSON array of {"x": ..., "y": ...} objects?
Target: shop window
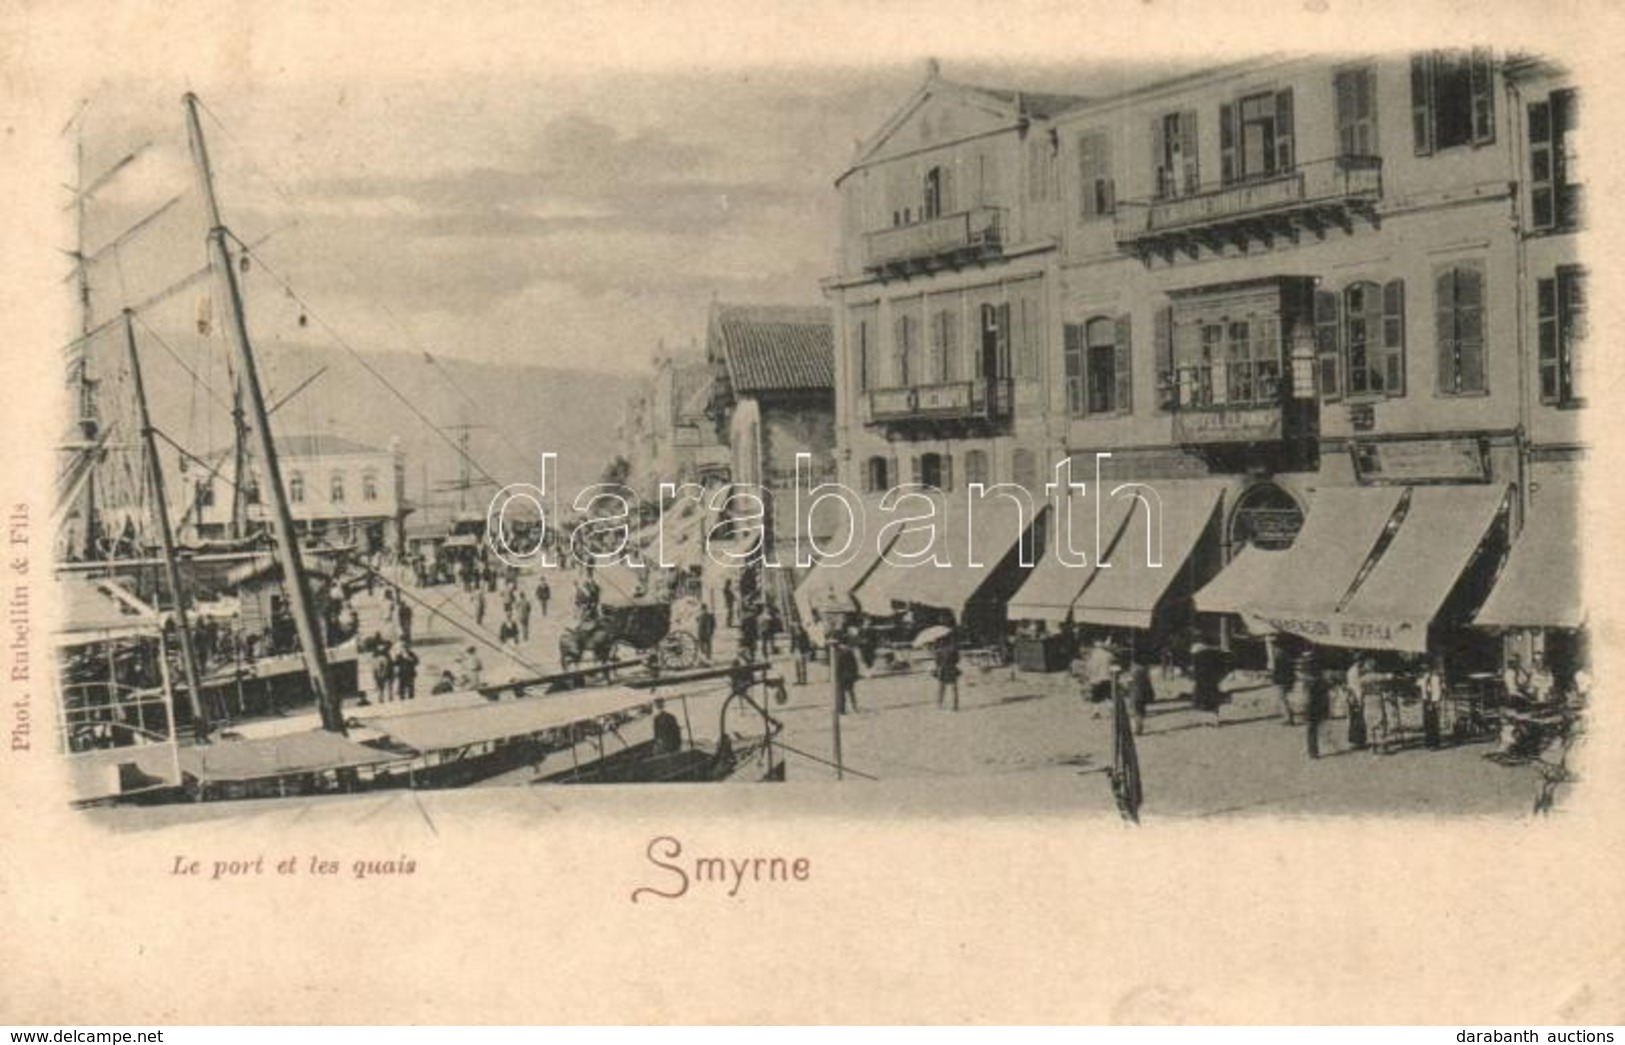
[{"x": 1452, "y": 100}]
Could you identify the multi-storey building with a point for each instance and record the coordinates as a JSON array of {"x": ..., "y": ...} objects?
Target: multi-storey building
[
  {"x": 665, "y": 433},
  {"x": 1250, "y": 285}
]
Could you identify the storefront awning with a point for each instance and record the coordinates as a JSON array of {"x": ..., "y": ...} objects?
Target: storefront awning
[
  {"x": 1540, "y": 585},
  {"x": 973, "y": 537},
  {"x": 1057, "y": 579},
  {"x": 1443, "y": 528},
  {"x": 1125, "y": 592},
  {"x": 1338, "y": 537},
  {"x": 1246, "y": 582}
]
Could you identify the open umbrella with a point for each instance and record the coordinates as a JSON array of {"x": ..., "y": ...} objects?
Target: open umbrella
[{"x": 933, "y": 634}]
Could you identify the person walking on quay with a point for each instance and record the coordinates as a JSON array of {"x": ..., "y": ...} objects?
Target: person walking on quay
[
  {"x": 706, "y": 626},
  {"x": 508, "y": 631},
  {"x": 748, "y": 630},
  {"x": 771, "y": 626},
  {"x": 1140, "y": 693},
  {"x": 544, "y": 593},
  {"x": 405, "y": 664},
  {"x": 521, "y": 606},
  {"x": 1317, "y": 687},
  {"x": 1207, "y": 665},
  {"x": 846, "y": 678},
  {"x": 668, "y": 733},
  {"x": 1432, "y": 686},
  {"x": 728, "y": 600},
  {"x": 947, "y": 671},
  {"x": 479, "y": 606},
  {"x": 404, "y": 618},
  {"x": 800, "y": 650},
  {"x": 473, "y": 676}
]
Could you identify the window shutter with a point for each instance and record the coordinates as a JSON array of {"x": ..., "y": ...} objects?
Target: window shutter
[
  {"x": 1444, "y": 301},
  {"x": 1542, "y": 171},
  {"x": 1343, "y": 89},
  {"x": 1227, "y": 143},
  {"x": 1565, "y": 120},
  {"x": 950, "y": 346},
  {"x": 1159, "y": 153},
  {"x": 947, "y": 471},
  {"x": 1003, "y": 356},
  {"x": 1190, "y": 151},
  {"x": 1470, "y": 328},
  {"x": 1163, "y": 335},
  {"x": 1327, "y": 346},
  {"x": 1483, "y": 84},
  {"x": 1072, "y": 337},
  {"x": 1422, "y": 103},
  {"x": 934, "y": 353},
  {"x": 1123, "y": 366},
  {"x": 1283, "y": 131},
  {"x": 1546, "y": 308},
  {"x": 948, "y": 201},
  {"x": 1393, "y": 336}
]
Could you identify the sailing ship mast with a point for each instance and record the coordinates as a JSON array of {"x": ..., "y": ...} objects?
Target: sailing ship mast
[
  {"x": 248, "y": 381},
  {"x": 89, "y": 424},
  {"x": 160, "y": 504}
]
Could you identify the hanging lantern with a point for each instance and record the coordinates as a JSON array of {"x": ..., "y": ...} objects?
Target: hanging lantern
[
  {"x": 205, "y": 315},
  {"x": 243, "y": 263},
  {"x": 304, "y": 320}
]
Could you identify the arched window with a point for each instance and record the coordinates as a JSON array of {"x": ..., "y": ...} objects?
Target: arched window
[
  {"x": 335, "y": 488},
  {"x": 976, "y": 466},
  {"x": 296, "y": 487},
  {"x": 369, "y": 486},
  {"x": 875, "y": 475}
]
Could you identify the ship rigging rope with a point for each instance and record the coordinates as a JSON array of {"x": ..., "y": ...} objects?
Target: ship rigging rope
[
  {"x": 436, "y": 612},
  {"x": 197, "y": 381}
]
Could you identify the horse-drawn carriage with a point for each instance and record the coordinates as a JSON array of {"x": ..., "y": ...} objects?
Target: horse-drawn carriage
[{"x": 660, "y": 627}]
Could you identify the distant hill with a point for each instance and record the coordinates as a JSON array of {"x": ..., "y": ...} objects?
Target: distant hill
[{"x": 524, "y": 411}]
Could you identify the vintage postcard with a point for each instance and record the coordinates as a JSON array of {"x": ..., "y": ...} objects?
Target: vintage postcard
[{"x": 810, "y": 513}]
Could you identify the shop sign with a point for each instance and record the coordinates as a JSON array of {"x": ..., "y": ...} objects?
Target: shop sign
[
  {"x": 1421, "y": 461},
  {"x": 1229, "y": 425},
  {"x": 1334, "y": 629}
]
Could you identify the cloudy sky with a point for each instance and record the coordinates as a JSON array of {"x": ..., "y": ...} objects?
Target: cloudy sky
[{"x": 577, "y": 220}]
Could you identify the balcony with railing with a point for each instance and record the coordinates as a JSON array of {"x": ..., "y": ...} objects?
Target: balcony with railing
[
  {"x": 978, "y": 402},
  {"x": 950, "y": 241},
  {"x": 1311, "y": 197}
]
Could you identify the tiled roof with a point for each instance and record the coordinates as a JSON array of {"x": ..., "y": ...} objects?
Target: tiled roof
[{"x": 775, "y": 348}]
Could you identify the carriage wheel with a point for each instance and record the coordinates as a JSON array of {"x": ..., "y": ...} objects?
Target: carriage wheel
[{"x": 679, "y": 650}]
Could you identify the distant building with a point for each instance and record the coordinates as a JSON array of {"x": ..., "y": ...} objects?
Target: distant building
[
  {"x": 772, "y": 396},
  {"x": 339, "y": 492}
]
